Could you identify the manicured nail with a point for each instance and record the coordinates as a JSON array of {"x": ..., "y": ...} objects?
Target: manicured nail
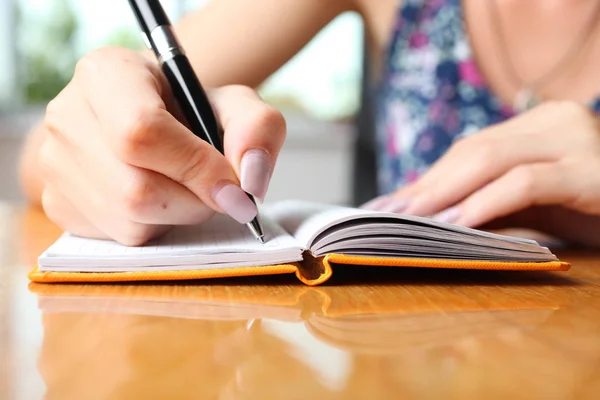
[
  {"x": 256, "y": 173},
  {"x": 397, "y": 205},
  {"x": 234, "y": 202},
  {"x": 449, "y": 215}
]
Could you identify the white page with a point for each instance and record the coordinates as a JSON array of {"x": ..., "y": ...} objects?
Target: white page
[
  {"x": 306, "y": 220},
  {"x": 376, "y": 231},
  {"x": 218, "y": 243}
]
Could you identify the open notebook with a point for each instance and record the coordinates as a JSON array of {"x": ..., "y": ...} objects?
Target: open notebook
[{"x": 302, "y": 238}]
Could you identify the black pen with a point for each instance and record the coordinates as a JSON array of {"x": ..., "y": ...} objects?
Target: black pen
[{"x": 159, "y": 36}]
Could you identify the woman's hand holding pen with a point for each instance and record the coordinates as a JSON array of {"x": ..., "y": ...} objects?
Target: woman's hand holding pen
[
  {"x": 119, "y": 162},
  {"x": 540, "y": 169}
]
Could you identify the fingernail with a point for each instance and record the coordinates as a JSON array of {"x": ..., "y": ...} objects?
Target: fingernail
[
  {"x": 234, "y": 202},
  {"x": 256, "y": 173},
  {"x": 449, "y": 215},
  {"x": 396, "y": 205}
]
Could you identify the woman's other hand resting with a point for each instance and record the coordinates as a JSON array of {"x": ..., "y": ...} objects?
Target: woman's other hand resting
[{"x": 545, "y": 162}]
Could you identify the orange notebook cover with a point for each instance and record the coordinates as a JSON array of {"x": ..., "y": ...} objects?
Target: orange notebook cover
[
  {"x": 311, "y": 273},
  {"x": 305, "y": 239}
]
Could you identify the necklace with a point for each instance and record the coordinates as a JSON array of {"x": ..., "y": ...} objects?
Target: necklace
[{"x": 527, "y": 97}]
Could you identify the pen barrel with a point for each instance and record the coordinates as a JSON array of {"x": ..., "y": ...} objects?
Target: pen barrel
[
  {"x": 150, "y": 14},
  {"x": 193, "y": 101}
]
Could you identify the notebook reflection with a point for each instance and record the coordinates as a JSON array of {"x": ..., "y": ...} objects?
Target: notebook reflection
[{"x": 238, "y": 342}]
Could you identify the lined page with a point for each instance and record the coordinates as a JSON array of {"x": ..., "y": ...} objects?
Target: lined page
[
  {"x": 305, "y": 220},
  {"x": 217, "y": 242}
]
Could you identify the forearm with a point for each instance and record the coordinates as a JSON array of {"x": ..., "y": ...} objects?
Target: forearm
[{"x": 244, "y": 42}]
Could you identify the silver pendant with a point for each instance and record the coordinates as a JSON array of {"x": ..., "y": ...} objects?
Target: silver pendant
[{"x": 525, "y": 100}]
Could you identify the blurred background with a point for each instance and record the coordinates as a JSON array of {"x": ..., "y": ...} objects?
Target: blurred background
[{"x": 319, "y": 90}]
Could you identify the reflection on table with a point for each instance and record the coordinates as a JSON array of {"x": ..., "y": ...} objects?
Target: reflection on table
[{"x": 369, "y": 333}]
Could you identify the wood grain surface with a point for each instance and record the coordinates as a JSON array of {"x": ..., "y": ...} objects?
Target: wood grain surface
[{"x": 373, "y": 333}]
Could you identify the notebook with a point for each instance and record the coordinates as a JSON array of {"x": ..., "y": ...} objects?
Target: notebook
[{"x": 304, "y": 238}]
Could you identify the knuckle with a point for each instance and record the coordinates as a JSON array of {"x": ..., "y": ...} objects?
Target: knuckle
[
  {"x": 56, "y": 210},
  {"x": 93, "y": 62},
  {"x": 46, "y": 159},
  {"x": 85, "y": 64},
  {"x": 97, "y": 59},
  {"x": 137, "y": 197},
  {"x": 198, "y": 164},
  {"x": 270, "y": 118},
  {"x": 50, "y": 208},
  {"x": 481, "y": 150},
  {"x": 587, "y": 198},
  {"x": 53, "y": 107},
  {"x": 137, "y": 132},
  {"x": 486, "y": 150},
  {"x": 525, "y": 178},
  {"x": 241, "y": 90},
  {"x": 57, "y": 119},
  {"x": 153, "y": 79},
  {"x": 52, "y": 117},
  {"x": 134, "y": 234}
]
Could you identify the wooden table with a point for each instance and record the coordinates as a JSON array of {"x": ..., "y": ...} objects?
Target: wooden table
[{"x": 389, "y": 333}]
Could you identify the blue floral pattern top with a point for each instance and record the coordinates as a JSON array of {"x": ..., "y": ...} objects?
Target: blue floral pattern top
[{"x": 432, "y": 92}]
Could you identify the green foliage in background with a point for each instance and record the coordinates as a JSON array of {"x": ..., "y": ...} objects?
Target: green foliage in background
[
  {"x": 123, "y": 37},
  {"x": 49, "y": 53}
]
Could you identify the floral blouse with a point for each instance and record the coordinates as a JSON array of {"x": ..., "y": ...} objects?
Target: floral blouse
[{"x": 432, "y": 92}]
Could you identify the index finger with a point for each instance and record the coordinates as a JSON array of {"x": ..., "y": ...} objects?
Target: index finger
[
  {"x": 143, "y": 133},
  {"x": 471, "y": 164},
  {"x": 254, "y": 134}
]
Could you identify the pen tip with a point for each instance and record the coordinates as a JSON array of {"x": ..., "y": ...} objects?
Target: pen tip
[{"x": 256, "y": 230}]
